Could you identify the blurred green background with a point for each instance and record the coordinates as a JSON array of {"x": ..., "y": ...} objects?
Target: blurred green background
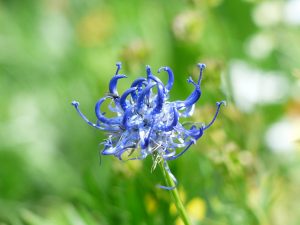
[{"x": 245, "y": 170}]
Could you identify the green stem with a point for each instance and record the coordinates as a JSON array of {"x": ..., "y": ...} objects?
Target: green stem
[{"x": 174, "y": 193}]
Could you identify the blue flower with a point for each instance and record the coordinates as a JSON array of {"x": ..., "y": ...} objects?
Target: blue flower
[{"x": 146, "y": 122}]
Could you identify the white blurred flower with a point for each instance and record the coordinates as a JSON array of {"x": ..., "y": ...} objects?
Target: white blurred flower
[
  {"x": 282, "y": 136},
  {"x": 268, "y": 13},
  {"x": 27, "y": 127},
  {"x": 292, "y": 12},
  {"x": 252, "y": 86},
  {"x": 56, "y": 33},
  {"x": 260, "y": 46},
  {"x": 295, "y": 92}
]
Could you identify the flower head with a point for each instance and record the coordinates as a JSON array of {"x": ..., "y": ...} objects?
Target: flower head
[{"x": 146, "y": 122}]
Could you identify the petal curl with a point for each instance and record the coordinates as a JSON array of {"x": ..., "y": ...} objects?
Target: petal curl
[
  {"x": 100, "y": 115},
  {"x": 192, "y": 99},
  {"x": 143, "y": 95},
  {"x": 159, "y": 100},
  {"x": 181, "y": 153},
  {"x": 169, "y": 127},
  {"x": 76, "y": 105},
  {"x": 219, "y": 104},
  {"x": 171, "y": 77},
  {"x": 138, "y": 83},
  {"x": 123, "y": 103},
  {"x": 114, "y": 82},
  {"x": 119, "y": 65}
]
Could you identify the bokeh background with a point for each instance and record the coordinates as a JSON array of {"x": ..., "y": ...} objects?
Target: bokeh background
[{"x": 245, "y": 170}]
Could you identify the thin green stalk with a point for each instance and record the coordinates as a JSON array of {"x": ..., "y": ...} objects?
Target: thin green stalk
[{"x": 175, "y": 194}]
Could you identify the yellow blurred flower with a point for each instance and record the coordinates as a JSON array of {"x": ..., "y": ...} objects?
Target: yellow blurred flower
[
  {"x": 178, "y": 221},
  {"x": 95, "y": 27},
  {"x": 173, "y": 209},
  {"x": 196, "y": 209},
  {"x": 150, "y": 203}
]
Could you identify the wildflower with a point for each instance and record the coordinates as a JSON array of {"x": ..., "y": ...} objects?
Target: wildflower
[{"x": 146, "y": 122}]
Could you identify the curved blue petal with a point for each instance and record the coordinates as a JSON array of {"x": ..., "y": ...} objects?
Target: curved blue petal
[
  {"x": 114, "y": 82},
  {"x": 108, "y": 147},
  {"x": 159, "y": 100},
  {"x": 201, "y": 67},
  {"x": 119, "y": 65},
  {"x": 195, "y": 132},
  {"x": 192, "y": 99},
  {"x": 219, "y": 104},
  {"x": 138, "y": 83},
  {"x": 145, "y": 141},
  {"x": 195, "y": 95},
  {"x": 171, "y": 77},
  {"x": 169, "y": 127},
  {"x": 127, "y": 115},
  {"x": 123, "y": 149},
  {"x": 100, "y": 115},
  {"x": 187, "y": 112},
  {"x": 124, "y": 96},
  {"x": 156, "y": 79},
  {"x": 76, "y": 105},
  {"x": 148, "y": 72},
  {"x": 181, "y": 153},
  {"x": 141, "y": 97}
]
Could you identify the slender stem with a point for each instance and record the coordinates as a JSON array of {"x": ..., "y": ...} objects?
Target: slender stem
[{"x": 176, "y": 198}]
